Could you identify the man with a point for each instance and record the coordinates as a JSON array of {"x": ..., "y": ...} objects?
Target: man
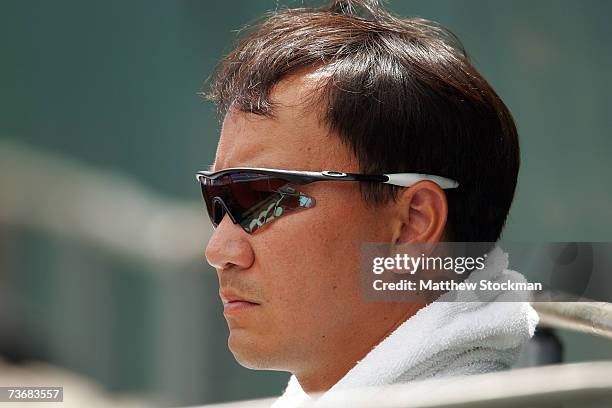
[{"x": 331, "y": 99}]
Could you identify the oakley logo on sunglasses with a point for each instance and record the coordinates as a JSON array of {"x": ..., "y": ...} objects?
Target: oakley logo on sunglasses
[
  {"x": 333, "y": 173},
  {"x": 254, "y": 197}
]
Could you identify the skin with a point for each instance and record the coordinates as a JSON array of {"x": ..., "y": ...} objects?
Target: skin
[{"x": 302, "y": 270}]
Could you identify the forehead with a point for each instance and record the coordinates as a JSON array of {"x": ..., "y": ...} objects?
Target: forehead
[{"x": 294, "y": 138}]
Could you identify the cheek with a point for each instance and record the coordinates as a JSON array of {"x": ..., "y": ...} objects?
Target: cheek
[{"x": 310, "y": 262}]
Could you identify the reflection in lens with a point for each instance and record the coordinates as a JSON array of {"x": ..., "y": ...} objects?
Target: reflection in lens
[{"x": 284, "y": 198}]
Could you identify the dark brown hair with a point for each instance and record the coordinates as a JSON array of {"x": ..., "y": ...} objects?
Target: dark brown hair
[{"x": 401, "y": 94}]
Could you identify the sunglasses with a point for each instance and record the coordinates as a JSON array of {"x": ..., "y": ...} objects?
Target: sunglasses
[{"x": 254, "y": 197}]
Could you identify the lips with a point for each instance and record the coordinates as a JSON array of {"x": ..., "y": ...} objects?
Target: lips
[{"x": 233, "y": 301}]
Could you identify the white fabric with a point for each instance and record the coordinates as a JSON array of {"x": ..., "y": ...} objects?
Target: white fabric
[{"x": 444, "y": 338}]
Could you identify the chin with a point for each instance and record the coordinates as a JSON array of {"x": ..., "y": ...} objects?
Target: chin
[{"x": 251, "y": 353}]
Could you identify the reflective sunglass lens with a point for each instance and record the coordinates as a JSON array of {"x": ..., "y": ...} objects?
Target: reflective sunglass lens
[
  {"x": 252, "y": 200},
  {"x": 283, "y": 199}
]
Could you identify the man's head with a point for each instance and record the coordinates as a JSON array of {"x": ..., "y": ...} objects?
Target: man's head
[{"x": 350, "y": 88}]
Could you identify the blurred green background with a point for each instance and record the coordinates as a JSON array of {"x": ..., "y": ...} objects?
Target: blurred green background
[{"x": 101, "y": 129}]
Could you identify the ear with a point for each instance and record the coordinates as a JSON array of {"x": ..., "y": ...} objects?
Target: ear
[{"x": 422, "y": 210}]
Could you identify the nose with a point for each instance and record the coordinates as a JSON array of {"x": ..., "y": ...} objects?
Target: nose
[{"x": 229, "y": 247}]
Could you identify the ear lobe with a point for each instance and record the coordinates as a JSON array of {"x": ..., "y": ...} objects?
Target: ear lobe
[{"x": 423, "y": 210}]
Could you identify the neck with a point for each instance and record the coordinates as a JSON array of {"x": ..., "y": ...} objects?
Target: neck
[{"x": 328, "y": 371}]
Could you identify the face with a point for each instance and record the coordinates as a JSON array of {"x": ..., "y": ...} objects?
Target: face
[{"x": 300, "y": 273}]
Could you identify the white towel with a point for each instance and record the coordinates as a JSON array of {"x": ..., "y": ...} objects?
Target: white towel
[{"x": 444, "y": 338}]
